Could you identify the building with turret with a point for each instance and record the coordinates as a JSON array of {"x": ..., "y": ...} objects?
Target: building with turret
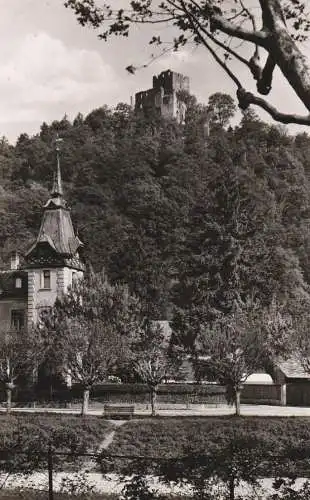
[
  {"x": 50, "y": 265},
  {"x": 163, "y": 98}
]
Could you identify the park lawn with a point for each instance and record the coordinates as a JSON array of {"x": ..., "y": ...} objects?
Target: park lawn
[
  {"x": 169, "y": 438},
  {"x": 25, "y": 440},
  {"x": 92, "y": 426}
]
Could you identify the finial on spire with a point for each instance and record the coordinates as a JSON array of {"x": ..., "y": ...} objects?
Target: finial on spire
[{"x": 57, "y": 182}]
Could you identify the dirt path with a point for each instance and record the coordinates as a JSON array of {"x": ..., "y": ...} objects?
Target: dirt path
[{"x": 91, "y": 464}]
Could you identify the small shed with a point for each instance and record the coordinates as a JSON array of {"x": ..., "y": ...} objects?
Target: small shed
[{"x": 291, "y": 375}]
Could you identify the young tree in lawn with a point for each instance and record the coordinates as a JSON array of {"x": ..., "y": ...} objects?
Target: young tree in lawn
[
  {"x": 152, "y": 359},
  {"x": 91, "y": 349},
  {"x": 237, "y": 344},
  {"x": 272, "y": 27},
  {"x": 20, "y": 353},
  {"x": 86, "y": 331}
]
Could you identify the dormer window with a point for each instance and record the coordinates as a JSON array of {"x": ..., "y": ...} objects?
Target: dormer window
[
  {"x": 18, "y": 283},
  {"x": 46, "y": 279}
]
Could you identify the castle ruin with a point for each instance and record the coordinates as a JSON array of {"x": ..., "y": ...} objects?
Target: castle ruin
[{"x": 163, "y": 97}]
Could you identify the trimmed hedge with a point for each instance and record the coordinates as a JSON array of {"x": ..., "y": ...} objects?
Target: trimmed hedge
[
  {"x": 129, "y": 393},
  {"x": 204, "y": 389},
  {"x": 167, "y": 393}
]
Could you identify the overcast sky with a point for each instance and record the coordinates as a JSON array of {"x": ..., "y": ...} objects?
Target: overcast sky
[{"x": 51, "y": 66}]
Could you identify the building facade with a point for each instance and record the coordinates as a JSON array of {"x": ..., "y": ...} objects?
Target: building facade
[
  {"x": 51, "y": 264},
  {"x": 163, "y": 97}
]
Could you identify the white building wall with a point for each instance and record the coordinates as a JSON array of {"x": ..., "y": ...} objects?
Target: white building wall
[{"x": 39, "y": 297}]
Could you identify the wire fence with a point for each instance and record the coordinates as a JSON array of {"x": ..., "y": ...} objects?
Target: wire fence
[{"x": 231, "y": 466}]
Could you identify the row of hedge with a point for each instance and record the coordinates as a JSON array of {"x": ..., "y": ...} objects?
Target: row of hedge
[
  {"x": 126, "y": 393},
  {"x": 170, "y": 393}
]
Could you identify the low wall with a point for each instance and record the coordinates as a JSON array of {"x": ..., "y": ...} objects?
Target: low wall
[{"x": 269, "y": 394}]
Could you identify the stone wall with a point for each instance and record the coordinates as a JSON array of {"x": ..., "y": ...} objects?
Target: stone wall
[{"x": 162, "y": 98}]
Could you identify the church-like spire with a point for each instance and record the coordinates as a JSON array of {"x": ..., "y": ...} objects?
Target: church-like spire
[{"x": 57, "y": 190}]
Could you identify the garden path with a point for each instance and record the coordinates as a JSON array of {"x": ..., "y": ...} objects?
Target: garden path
[{"x": 91, "y": 464}]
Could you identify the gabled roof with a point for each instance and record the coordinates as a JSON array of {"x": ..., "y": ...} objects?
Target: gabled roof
[{"x": 292, "y": 368}]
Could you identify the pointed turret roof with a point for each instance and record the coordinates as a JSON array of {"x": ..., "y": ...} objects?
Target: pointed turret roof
[
  {"x": 57, "y": 189},
  {"x": 56, "y": 244},
  {"x": 57, "y": 199}
]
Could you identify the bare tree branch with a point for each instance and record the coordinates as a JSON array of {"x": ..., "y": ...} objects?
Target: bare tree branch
[
  {"x": 224, "y": 46},
  {"x": 249, "y": 14},
  {"x": 206, "y": 20},
  {"x": 208, "y": 46},
  {"x": 265, "y": 80},
  {"x": 217, "y": 21},
  {"x": 258, "y": 37},
  {"x": 254, "y": 62},
  {"x": 247, "y": 98}
]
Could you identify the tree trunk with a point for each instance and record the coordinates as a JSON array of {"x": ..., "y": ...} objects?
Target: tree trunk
[
  {"x": 237, "y": 402},
  {"x": 8, "y": 399},
  {"x": 85, "y": 402},
  {"x": 153, "y": 400},
  {"x": 231, "y": 488},
  {"x": 285, "y": 52}
]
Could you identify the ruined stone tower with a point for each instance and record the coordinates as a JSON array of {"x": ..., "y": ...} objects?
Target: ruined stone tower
[{"x": 163, "y": 97}]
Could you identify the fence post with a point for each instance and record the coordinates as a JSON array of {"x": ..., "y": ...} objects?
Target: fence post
[{"x": 50, "y": 472}]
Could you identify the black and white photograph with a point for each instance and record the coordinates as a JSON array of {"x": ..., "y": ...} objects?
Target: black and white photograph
[{"x": 155, "y": 250}]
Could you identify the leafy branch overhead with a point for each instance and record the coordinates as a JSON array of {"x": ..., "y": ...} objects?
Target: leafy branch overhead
[{"x": 273, "y": 28}]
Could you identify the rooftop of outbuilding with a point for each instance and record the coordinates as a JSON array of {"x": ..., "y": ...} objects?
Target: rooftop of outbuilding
[{"x": 292, "y": 369}]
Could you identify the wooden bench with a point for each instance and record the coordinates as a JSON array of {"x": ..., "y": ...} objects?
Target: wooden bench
[{"x": 119, "y": 411}]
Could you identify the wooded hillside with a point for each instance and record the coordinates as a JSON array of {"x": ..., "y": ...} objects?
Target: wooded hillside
[{"x": 183, "y": 218}]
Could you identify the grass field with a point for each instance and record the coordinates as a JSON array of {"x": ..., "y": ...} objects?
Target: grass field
[
  {"x": 286, "y": 440},
  {"x": 169, "y": 437},
  {"x": 25, "y": 440},
  {"x": 93, "y": 426},
  {"x": 234, "y": 440}
]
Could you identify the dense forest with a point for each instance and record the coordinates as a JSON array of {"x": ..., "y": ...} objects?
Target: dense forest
[{"x": 189, "y": 219}]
